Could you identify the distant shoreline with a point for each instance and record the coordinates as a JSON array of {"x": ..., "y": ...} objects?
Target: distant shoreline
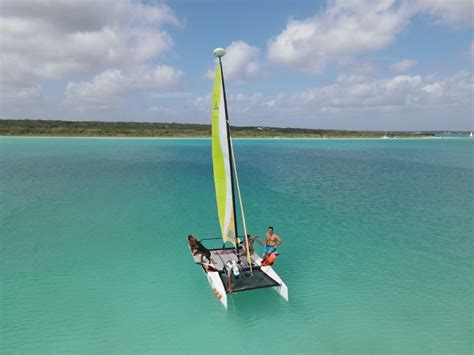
[
  {"x": 98, "y": 129},
  {"x": 235, "y": 138}
]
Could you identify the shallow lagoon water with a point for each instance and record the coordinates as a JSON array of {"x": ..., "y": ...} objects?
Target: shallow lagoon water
[{"x": 377, "y": 249}]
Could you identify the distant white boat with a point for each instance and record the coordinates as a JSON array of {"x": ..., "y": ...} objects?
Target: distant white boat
[
  {"x": 385, "y": 136},
  {"x": 470, "y": 135}
]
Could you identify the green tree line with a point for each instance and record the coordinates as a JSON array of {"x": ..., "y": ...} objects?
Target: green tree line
[{"x": 9, "y": 127}]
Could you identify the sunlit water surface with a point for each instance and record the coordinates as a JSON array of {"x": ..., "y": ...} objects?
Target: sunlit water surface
[{"x": 377, "y": 251}]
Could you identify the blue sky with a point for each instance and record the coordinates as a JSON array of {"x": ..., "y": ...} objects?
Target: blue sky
[{"x": 352, "y": 64}]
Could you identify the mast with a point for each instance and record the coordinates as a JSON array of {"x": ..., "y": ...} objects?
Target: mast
[{"x": 231, "y": 153}]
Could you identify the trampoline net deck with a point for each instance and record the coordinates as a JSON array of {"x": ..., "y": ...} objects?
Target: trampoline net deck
[{"x": 246, "y": 280}]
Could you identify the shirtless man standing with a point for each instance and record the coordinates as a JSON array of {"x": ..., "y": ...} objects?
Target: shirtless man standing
[{"x": 273, "y": 241}]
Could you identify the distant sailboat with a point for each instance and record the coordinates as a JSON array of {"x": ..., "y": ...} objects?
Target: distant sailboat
[
  {"x": 227, "y": 271},
  {"x": 470, "y": 135}
]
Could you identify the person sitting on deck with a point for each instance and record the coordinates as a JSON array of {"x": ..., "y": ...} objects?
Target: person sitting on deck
[
  {"x": 251, "y": 239},
  {"x": 272, "y": 242},
  {"x": 197, "y": 248}
]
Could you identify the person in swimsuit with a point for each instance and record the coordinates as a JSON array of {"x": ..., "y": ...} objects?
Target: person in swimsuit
[
  {"x": 197, "y": 248},
  {"x": 251, "y": 240},
  {"x": 272, "y": 242}
]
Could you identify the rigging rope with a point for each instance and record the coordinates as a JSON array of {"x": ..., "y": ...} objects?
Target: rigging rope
[{"x": 249, "y": 259}]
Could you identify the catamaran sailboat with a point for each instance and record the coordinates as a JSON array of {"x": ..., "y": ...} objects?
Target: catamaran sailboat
[{"x": 231, "y": 268}]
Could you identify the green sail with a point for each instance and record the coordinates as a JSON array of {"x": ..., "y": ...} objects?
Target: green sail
[{"x": 221, "y": 161}]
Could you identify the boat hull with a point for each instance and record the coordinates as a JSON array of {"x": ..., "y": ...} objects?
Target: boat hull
[
  {"x": 282, "y": 289},
  {"x": 223, "y": 282},
  {"x": 217, "y": 286}
]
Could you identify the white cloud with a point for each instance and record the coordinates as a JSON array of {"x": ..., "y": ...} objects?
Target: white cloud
[
  {"x": 434, "y": 88},
  {"x": 240, "y": 63},
  {"x": 342, "y": 30},
  {"x": 55, "y": 39},
  {"x": 163, "y": 111},
  {"x": 347, "y": 28},
  {"x": 403, "y": 65},
  {"x": 359, "y": 73},
  {"x": 345, "y": 104},
  {"x": 113, "y": 84},
  {"x": 21, "y": 95},
  {"x": 399, "y": 91},
  {"x": 458, "y": 13},
  {"x": 399, "y": 102},
  {"x": 171, "y": 94},
  {"x": 202, "y": 103},
  {"x": 247, "y": 98}
]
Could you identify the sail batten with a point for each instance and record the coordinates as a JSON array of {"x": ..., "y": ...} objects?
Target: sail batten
[{"x": 222, "y": 161}]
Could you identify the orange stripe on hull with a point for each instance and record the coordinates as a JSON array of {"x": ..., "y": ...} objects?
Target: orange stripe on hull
[{"x": 219, "y": 296}]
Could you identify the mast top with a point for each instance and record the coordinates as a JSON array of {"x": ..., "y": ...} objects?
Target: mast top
[{"x": 219, "y": 52}]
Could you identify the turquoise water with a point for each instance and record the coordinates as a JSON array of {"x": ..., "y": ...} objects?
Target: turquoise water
[{"x": 377, "y": 249}]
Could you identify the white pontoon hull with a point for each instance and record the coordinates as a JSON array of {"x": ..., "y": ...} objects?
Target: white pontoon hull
[
  {"x": 215, "y": 278},
  {"x": 217, "y": 286}
]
